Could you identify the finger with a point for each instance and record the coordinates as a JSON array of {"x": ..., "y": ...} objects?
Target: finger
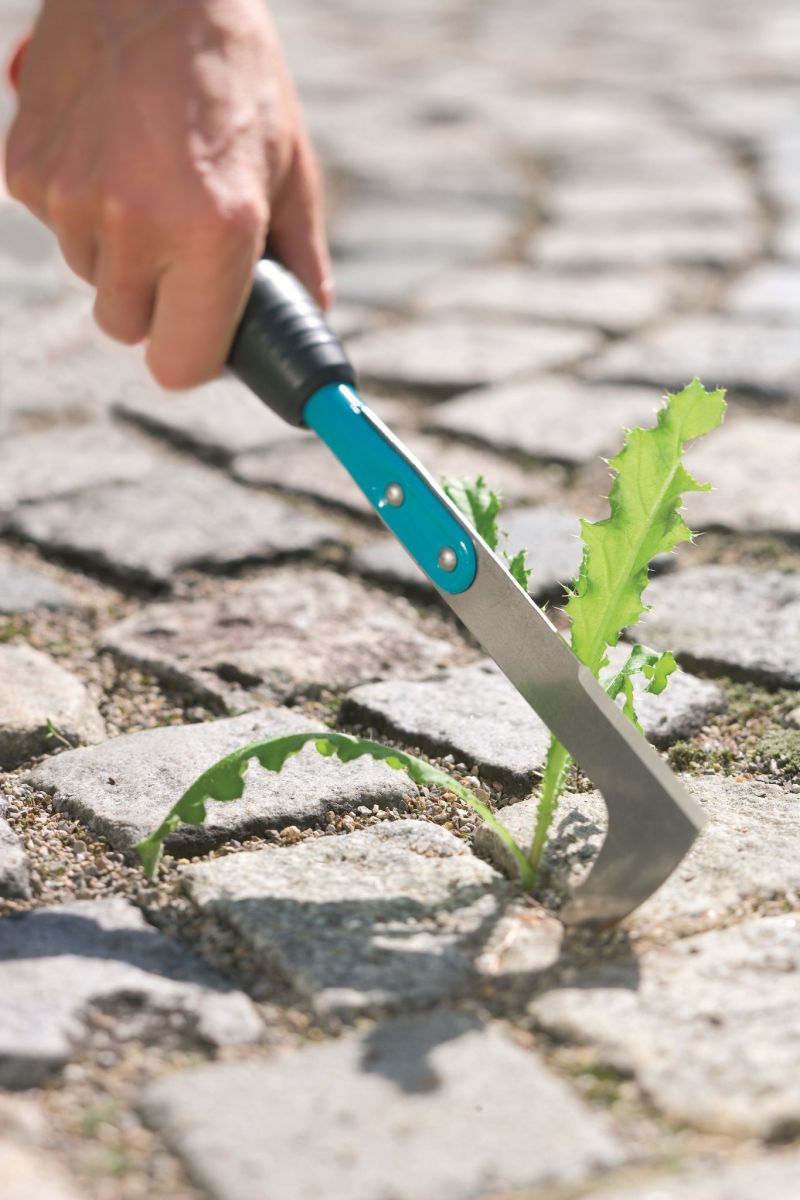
[
  {"x": 197, "y": 308},
  {"x": 125, "y": 299},
  {"x": 297, "y": 229}
]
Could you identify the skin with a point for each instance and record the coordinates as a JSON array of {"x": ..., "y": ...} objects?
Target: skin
[{"x": 162, "y": 141}]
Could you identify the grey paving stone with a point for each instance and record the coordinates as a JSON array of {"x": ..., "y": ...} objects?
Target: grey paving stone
[
  {"x": 307, "y": 467},
  {"x": 56, "y": 962},
  {"x": 432, "y": 228},
  {"x": 289, "y": 633},
  {"x": 768, "y": 292},
  {"x": 22, "y": 590},
  {"x": 179, "y": 517},
  {"x": 634, "y": 203},
  {"x": 753, "y": 465},
  {"x": 35, "y": 690},
  {"x": 387, "y": 281},
  {"x": 548, "y": 417},
  {"x": 124, "y": 788},
  {"x": 475, "y": 713},
  {"x": 728, "y": 620},
  {"x": 14, "y": 863},
  {"x": 58, "y": 462},
  {"x": 614, "y": 301},
  {"x": 448, "y": 356},
  {"x": 772, "y": 1177},
  {"x": 25, "y": 1172},
  {"x": 744, "y": 356},
  {"x": 219, "y": 421},
  {"x": 709, "y": 1026},
  {"x": 396, "y": 916},
  {"x": 580, "y": 247},
  {"x": 787, "y": 241},
  {"x": 31, "y": 270},
  {"x": 747, "y": 852},
  {"x": 389, "y": 1112}
]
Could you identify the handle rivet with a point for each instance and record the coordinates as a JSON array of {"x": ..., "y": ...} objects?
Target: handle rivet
[
  {"x": 448, "y": 560},
  {"x": 394, "y": 495}
]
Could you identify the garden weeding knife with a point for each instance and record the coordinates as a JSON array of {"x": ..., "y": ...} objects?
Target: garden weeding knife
[{"x": 287, "y": 355}]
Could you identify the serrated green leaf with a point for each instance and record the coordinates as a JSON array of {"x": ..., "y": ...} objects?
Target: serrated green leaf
[
  {"x": 645, "y": 520},
  {"x": 519, "y": 569},
  {"x": 477, "y": 503},
  {"x": 225, "y": 782},
  {"x": 659, "y": 672}
]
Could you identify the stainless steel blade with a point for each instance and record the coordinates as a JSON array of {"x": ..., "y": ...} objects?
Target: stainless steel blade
[{"x": 652, "y": 820}]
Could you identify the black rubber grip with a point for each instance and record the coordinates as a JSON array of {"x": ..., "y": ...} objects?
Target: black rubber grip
[{"x": 283, "y": 349}]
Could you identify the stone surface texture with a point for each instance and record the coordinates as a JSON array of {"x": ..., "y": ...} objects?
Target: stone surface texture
[
  {"x": 708, "y": 1025},
  {"x": 476, "y": 712},
  {"x": 289, "y": 633},
  {"x": 22, "y": 590},
  {"x": 177, "y": 518},
  {"x": 55, "y": 962},
  {"x": 124, "y": 788},
  {"x": 745, "y": 855},
  {"x": 25, "y": 1173},
  {"x": 728, "y": 620},
  {"x": 36, "y": 691},
  {"x": 771, "y": 1178},
  {"x": 426, "y": 1077},
  {"x": 14, "y": 862}
]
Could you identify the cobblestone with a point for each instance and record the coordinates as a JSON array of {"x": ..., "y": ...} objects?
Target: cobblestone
[
  {"x": 475, "y": 712},
  {"x": 22, "y": 590},
  {"x": 124, "y": 788},
  {"x": 768, "y": 292},
  {"x": 760, "y": 359},
  {"x": 729, "y": 621},
  {"x": 708, "y": 1026},
  {"x": 745, "y": 855},
  {"x": 550, "y": 417},
  {"x": 449, "y": 355},
  {"x": 56, "y": 962},
  {"x": 180, "y": 517},
  {"x": 291, "y": 632},
  {"x": 36, "y": 696},
  {"x": 14, "y": 862},
  {"x": 752, "y": 464},
  {"x": 424, "y": 1077},
  {"x": 772, "y": 1178},
  {"x": 25, "y": 1173}
]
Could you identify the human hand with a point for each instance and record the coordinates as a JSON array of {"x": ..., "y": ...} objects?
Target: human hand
[{"x": 161, "y": 140}]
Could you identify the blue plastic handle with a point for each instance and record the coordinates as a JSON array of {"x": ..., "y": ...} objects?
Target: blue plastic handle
[{"x": 405, "y": 498}]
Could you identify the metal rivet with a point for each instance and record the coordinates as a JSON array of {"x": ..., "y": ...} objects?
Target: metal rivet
[
  {"x": 448, "y": 560},
  {"x": 395, "y": 495}
]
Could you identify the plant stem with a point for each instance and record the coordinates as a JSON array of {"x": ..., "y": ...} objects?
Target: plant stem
[{"x": 555, "y": 774}]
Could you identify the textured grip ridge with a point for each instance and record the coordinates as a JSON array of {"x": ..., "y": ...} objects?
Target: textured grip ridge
[{"x": 284, "y": 350}]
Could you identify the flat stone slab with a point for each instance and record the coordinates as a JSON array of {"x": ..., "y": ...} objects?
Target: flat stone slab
[
  {"x": 758, "y": 358},
  {"x": 615, "y": 301},
  {"x": 178, "y": 518},
  {"x": 632, "y": 203},
  {"x": 442, "y": 231},
  {"x": 709, "y": 1026},
  {"x": 307, "y": 467},
  {"x": 549, "y": 417},
  {"x": 124, "y": 788},
  {"x": 22, "y": 590},
  {"x": 389, "y": 917},
  {"x": 219, "y": 421},
  {"x": 58, "y": 462},
  {"x": 448, "y": 356},
  {"x": 787, "y": 241},
  {"x": 769, "y": 1178},
  {"x": 729, "y": 621},
  {"x": 35, "y": 690},
  {"x": 291, "y": 632},
  {"x": 389, "y": 1112},
  {"x": 770, "y": 291},
  {"x": 552, "y": 535},
  {"x": 25, "y": 1172},
  {"x": 56, "y": 962},
  {"x": 476, "y": 714},
  {"x": 748, "y": 852},
  {"x": 752, "y": 464},
  {"x": 385, "y": 280},
  {"x": 15, "y": 880},
  {"x": 575, "y": 246}
]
